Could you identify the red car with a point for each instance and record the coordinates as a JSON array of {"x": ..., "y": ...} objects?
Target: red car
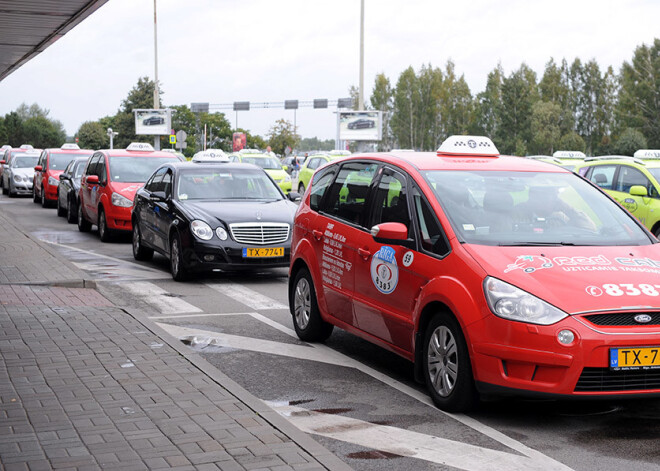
[
  {"x": 51, "y": 163},
  {"x": 493, "y": 275},
  {"x": 109, "y": 183}
]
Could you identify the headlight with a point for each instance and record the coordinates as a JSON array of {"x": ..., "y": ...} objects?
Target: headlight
[
  {"x": 18, "y": 178},
  {"x": 53, "y": 181},
  {"x": 121, "y": 201},
  {"x": 221, "y": 233},
  {"x": 512, "y": 303},
  {"x": 287, "y": 178},
  {"x": 201, "y": 230}
]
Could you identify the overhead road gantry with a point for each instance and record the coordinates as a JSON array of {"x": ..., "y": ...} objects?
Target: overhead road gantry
[{"x": 28, "y": 27}]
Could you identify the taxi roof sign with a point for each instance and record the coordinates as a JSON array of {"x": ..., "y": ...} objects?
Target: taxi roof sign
[
  {"x": 647, "y": 154},
  {"x": 468, "y": 145},
  {"x": 340, "y": 152},
  {"x": 70, "y": 146},
  {"x": 569, "y": 154},
  {"x": 210, "y": 156},
  {"x": 140, "y": 146},
  {"x": 250, "y": 151}
]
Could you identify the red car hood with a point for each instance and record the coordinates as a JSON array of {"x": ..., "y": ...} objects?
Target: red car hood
[
  {"x": 578, "y": 279},
  {"x": 127, "y": 190}
]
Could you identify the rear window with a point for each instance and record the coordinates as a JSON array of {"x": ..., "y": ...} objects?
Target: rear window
[{"x": 60, "y": 161}]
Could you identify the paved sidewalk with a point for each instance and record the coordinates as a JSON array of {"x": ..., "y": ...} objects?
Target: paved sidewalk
[{"x": 87, "y": 385}]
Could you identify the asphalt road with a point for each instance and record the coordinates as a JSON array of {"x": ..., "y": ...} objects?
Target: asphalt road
[{"x": 358, "y": 400}]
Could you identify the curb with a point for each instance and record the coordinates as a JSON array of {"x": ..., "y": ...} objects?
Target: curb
[{"x": 309, "y": 445}]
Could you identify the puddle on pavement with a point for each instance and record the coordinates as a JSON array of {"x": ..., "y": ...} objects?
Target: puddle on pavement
[
  {"x": 60, "y": 237},
  {"x": 206, "y": 344}
]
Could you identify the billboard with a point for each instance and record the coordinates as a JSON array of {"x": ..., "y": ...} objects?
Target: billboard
[
  {"x": 360, "y": 125},
  {"x": 153, "y": 122},
  {"x": 239, "y": 141}
]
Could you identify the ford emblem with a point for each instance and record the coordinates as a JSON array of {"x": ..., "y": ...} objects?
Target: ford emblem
[{"x": 642, "y": 318}]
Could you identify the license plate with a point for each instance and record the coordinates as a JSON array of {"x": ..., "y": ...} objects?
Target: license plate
[
  {"x": 263, "y": 252},
  {"x": 635, "y": 358}
]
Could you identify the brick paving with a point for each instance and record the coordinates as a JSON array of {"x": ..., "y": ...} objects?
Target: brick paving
[{"x": 87, "y": 385}]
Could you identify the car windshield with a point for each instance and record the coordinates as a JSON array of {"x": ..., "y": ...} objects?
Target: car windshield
[
  {"x": 125, "y": 169},
  {"x": 268, "y": 163},
  {"x": 225, "y": 184},
  {"x": 24, "y": 161},
  {"x": 530, "y": 209},
  {"x": 60, "y": 161},
  {"x": 656, "y": 173}
]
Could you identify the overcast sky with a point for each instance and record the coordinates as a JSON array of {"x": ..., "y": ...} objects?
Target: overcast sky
[{"x": 221, "y": 51}]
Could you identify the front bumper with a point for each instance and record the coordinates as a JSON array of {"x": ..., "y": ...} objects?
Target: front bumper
[
  {"x": 23, "y": 188},
  {"x": 228, "y": 255},
  {"x": 118, "y": 218},
  {"x": 531, "y": 361}
]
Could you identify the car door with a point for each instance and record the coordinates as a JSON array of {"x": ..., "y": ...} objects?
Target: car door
[
  {"x": 163, "y": 212},
  {"x": 146, "y": 208},
  {"x": 386, "y": 286},
  {"x": 38, "y": 174},
  {"x": 335, "y": 231},
  {"x": 639, "y": 206},
  {"x": 86, "y": 189}
]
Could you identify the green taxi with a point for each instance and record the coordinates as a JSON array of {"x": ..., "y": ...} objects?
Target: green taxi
[
  {"x": 269, "y": 163},
  {"x": 313, "y": 162},
  {"x": 632, "y": 181},
  {"x": 569, "y": 159}
]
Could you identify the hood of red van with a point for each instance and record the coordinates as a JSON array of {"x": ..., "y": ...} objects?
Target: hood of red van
[
  {"x": 578, "y": 279},
  {"x": 127, "y": 190}
]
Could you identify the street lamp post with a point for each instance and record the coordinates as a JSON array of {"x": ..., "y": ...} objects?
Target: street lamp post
[
  {"x": 111, "y": 135},
  {"x": 156, "y": 89},
  {"x": 361, "y": 90}
]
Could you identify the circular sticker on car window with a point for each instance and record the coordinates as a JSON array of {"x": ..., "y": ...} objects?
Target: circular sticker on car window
[{"x": 384, "y": 271}]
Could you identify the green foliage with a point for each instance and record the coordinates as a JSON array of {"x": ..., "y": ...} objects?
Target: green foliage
[
  {"x": 639, "y": 98},
  {"x": 630, "y": 141},
  {"x": 546, "y": 132},
  {"x": 4, "y": 137},
  {"x": 519, "y": 93},
  {"x": 282, "y": 135},
  {"x": 572, "y": 141},
  {"x": 92, "y": 135},
  {"x": 42, "y": 132},
  {"x": 314, "y": 143},
  {"x": 381, "y": 100},
  {"x": 14, "y": 129}
]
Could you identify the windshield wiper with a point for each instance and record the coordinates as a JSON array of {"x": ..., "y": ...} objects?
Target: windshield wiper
[{"x": 536, "y": 244}]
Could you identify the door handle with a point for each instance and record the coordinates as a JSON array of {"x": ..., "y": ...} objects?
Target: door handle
[
  {"x": 317, "y": 234},
  {"x": 364, "y": 253}
]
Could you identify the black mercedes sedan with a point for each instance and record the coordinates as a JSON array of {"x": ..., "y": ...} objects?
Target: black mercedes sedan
[
  {"x": 206, "y": 216},
  {"x": 69, "y": 188}
]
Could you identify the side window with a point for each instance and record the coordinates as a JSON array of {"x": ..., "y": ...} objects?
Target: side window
[
  {"x": 315, "y": 163},
  {"x": 347, "y": 196},
  {"x": 430, "y": 234},
  {"x": 42, "y": 160},
  {"x": 155, "y": 182},
  {"x": 91, "y": 165},
  {"x": 67, "y": 170},
  {"x": 603, "y": 176},
  {"x": 100, "y": 171},
  {"x": 628, "y": 177},
  {"x": 390, "y": 202},
  {"x": 167, "y": 184},
  {"x": 320, "y": 183}
]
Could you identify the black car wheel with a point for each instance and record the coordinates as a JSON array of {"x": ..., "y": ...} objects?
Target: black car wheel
[
  {"x": 35, "y": 197},
  {"x": 177, "y": 266},
  {"x": 4, "y": 188},
  {"x": 301, "y": 189},
  {"x": 61, "y": 212},
  {"x": 140, "y": 252},
  {"x": 104, "y": 233},
  {"x": 307, "y": 320},
  {"x": 71, "y": 211},
  {"x": 11, "y": 191},
  {"x": 83, "y": 224},
  {"x": 446, "y": 363},
  {"x": 44, "y": 203}
]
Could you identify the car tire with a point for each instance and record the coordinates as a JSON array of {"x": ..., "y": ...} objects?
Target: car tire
[
  {"x": 11, "y": 191},
  {"x": 44, "y": 203},
  {"x": 307, "y": 320},
  {"x": 301, "y": 188},
  {"x": 446, "y": 365},
  {"x": 4, "y": 189},
  {"x": 83, "y": 224},
  {"x": 61, "y": 212},
  {"x": 140, "y": 252},
  {"x": 71, "y": 211},
  {"x": 35, "y": 198},
  {"x": 104, "y": 233},
  {"x": 177, "y": 266}
]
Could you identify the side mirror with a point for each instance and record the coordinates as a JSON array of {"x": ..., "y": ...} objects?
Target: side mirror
[
  {"x": 294, "y": 196},
  {"x": 393, "y": 233},
  {"x": 638, "y": 190},
  {"x": 63, "y": 176},
  {"x": 158, "y": 196},
  {"x": 2, "y": 162},
  {"x": 38, "y": 168},
  {"x": 92, "y": 180}
]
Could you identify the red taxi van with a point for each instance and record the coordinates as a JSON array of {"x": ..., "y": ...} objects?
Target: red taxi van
[
  {"x": 51, "y": 164},
  {"x": 493, "y": 275},
  {"x": 109, "y": 183}
]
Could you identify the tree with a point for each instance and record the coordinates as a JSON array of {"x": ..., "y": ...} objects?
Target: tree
[
  {"x": 218, "y": 131},
  {"x": 488, "y": 105},
  {"x": 404, "y": 115},
  {"x": 455, "y": 104},
  {"x": 630, "y": 141},
  {"x": 545, "y": 127},
  {"x": 92, "y": 135},
  {"x": 555, "y": 88},
  {"x": 14, "y": 129},
  {"x": 4, "y": 137},
  {"x": 639, "y": 97},
  {"x": 42, "y": 132},
  {"x": 282, "y": 135},
  {"x": 314, "y": 143},
  {"x": 572, "y": 141},
  {"x": 141, "y": 96},
  {"x": 519, "y": 93},
  {"x": 382, "y": 100}
]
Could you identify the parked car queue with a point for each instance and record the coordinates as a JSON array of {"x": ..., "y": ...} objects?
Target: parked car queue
[{"x": 492, "y": 275}]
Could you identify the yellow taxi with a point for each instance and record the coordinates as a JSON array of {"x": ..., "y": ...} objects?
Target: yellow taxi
[{"x": 268, "y": 162}]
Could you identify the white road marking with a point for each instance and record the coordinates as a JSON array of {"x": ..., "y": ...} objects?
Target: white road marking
[
  {"x": 247, "y": 296},
  {"x": 203, "y": 314},
  {"x": 158, "y": 298},
  {"x": 409, "y": 443}
]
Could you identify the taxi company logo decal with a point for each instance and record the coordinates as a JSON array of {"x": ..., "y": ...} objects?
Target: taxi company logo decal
[
  {"x": 594, "y": 291},
  {"x": 384, "y": 271},
  {"x": 529, "y": 263}
]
